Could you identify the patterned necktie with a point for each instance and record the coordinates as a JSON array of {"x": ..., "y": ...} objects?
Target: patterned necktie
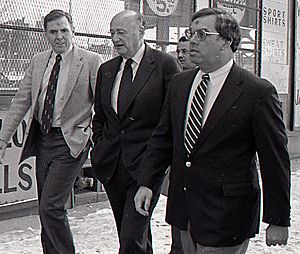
[
  {"x": 194, "y": 123},
  {"x": 125, "y": 85},
  {"x": 50, "y": 97}
]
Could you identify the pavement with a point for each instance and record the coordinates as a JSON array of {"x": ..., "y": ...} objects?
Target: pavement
[{"x": 94, "y": 230}]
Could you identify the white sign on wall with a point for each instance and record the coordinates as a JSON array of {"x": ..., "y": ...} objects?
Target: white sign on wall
[
  {"x": 163, "y": 8},
  {"x": 275, "y": 44},
  {"x": 17, "y": 181},
  {"x": 274, "y": 48}
]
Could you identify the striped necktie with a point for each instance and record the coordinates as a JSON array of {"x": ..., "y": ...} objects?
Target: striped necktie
[
  {"x": 47, "y": 114},
  {"x": 194, "y": 123}
]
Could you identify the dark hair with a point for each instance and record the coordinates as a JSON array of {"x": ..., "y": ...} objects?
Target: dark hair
[
  {"x": 226, "y": 25},
  {"x": 182, "y": 39},
  {"x": 56, "y": 14}
]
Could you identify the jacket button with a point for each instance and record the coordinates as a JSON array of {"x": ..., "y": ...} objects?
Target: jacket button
[
  {"x": 131, "y": 119},
  {"x": 184, "y": 188},
  {"x": 188, "y": 164}
]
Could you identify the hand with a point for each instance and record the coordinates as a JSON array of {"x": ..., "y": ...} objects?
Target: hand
[
  {"x": 276, "y": 235},
  {"x": 142, "y": 200},
  {"x": 3, "y": 146}
]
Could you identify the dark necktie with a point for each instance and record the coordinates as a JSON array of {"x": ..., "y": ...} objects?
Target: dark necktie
[
  {"x": 47, "y": 113},
  {"x": 194, "y": 123},
  {"x": 125, "y": 85}
]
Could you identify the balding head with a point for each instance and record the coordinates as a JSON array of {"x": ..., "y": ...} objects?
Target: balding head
[
  {"x": 129, "y": 15},
  {"x": 127, "y": 32}
]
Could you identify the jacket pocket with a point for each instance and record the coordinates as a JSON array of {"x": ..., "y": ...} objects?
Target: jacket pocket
[{"x": 240, "y": 189}]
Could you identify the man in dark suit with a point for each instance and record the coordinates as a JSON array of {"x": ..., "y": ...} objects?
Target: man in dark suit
[
  {"x": 183, "y": 56},
  {"x": 60, "y": 141},
  {"x": 214, "y": 193},
  {"x": 126, "y": 111}
]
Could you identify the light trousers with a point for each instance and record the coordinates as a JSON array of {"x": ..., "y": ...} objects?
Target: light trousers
[{"x": 191, "y": 247}]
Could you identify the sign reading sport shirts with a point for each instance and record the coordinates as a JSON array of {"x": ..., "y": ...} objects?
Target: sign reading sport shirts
[{"x": 275, "y": 65}]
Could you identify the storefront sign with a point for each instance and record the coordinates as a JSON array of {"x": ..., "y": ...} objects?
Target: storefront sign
[
  {"x": 163, "y": 8},
  {"x": 17, "y": 181},
  {"x": 236, "y": 11},
  {"x": 275, "y": 65},
  {"x": 274, "y": 49},
  {"x": 274, "y": 16}
]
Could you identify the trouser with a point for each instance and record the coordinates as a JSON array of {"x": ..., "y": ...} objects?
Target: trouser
[
  {"x": 191, "y": 247},
  {"x": 134, "y": 230},
  {"x": 56, "y": 171},
  {"x": 176, "y": 247}
]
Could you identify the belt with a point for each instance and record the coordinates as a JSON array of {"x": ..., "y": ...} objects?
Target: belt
[{"x": 53, "y": 129}]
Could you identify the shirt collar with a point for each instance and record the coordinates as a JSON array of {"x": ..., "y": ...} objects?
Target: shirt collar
[
  {"x": 222, "y": 71},
  {"x": 64, "y": 55},
  {"x": 137, "y": 58}
]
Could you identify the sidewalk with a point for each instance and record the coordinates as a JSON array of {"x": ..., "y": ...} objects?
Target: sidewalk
[{"x": 94, "y": 230}]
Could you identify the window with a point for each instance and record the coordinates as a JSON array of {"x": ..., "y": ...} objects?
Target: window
[{"x": 248, "y": 15}]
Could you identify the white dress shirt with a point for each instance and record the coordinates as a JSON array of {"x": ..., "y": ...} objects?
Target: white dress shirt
[
  {"x": 217, "y": 79},
  {"x": 61, "y": 85},
  {"x": 137, "y": 58}
]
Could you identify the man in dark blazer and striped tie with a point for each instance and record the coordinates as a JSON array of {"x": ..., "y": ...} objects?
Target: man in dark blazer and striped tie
[{"x": 214, "y": 192}]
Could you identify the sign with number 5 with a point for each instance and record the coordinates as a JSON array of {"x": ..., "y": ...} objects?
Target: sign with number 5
[{"x": 163, "y": 7}]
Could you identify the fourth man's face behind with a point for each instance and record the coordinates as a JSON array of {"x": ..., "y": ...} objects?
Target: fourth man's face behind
[
  {"x": 126, "y": 35},
  {"x": 59, "y": 34},
  {"x": 183, "y": 55}
]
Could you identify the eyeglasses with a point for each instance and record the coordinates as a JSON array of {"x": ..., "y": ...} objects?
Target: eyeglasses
[{"x": 201, "y": 34}]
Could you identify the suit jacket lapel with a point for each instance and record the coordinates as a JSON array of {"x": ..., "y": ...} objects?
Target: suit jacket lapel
[
  {"x": 146, "y": 67},
  {"x": 108, "y": 79},
  {"x": 76, "y": 65},
  {"x": 229, "y": 93},
  {"x": 42, "y": 63}
]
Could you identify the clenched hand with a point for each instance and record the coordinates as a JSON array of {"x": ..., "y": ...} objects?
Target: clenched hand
[{"x": 142, "y": 200}]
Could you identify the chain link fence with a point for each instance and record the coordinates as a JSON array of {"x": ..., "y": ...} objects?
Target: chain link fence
[{"x": 21, "y": 29}]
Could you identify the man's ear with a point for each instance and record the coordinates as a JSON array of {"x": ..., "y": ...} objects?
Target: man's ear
[
  {"x": 226, "y": 44},
  {"x": 142, "y": 30},
  {"x": 45, "y": 34}
]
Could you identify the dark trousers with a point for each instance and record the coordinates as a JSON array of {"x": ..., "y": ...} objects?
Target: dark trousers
[
  {"x": 176, "y": 247},
  {"x": 134, "y": 230},
  {"x": 56, "y": 171}
]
